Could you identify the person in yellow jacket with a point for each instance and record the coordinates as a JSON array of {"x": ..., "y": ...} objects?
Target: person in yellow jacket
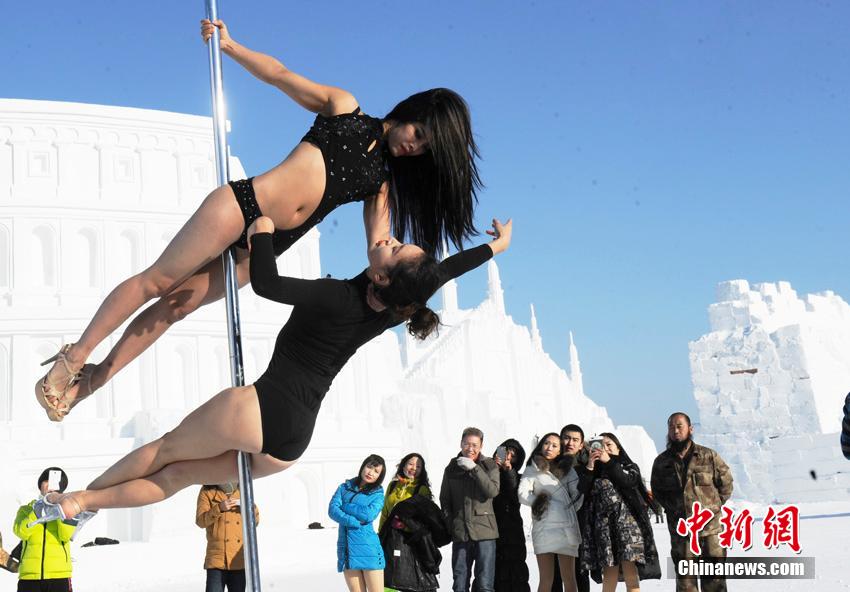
[
  {"x": 410, "y": 479},
  {"x": 46, "y": 554},
  {"x": 219, "y": 511}
]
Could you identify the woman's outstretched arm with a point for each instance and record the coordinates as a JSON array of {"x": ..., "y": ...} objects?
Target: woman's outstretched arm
[
  {"x": 318, "y": 98},
  {"x": 459, "y": 263},
  {"x": 326, "y": 294}
]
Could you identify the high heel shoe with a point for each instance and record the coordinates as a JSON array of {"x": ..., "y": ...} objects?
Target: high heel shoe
[
  {"x": 52, "y": 395},
  {"x": 47, "y": 510},
  {"x": 84, "y": 390}
]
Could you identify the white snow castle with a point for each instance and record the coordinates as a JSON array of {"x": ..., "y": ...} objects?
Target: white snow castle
[
  {"x": 90, "y": 194},
  {"x": 769, "y": 381}
]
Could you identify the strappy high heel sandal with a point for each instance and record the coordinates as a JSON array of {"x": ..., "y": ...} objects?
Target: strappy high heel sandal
[
  {"x": 62, "y": 406},
  {"x": 85, "y": 390},
  {"x": 51, "y": 395},
  {"x": 47, "y": 510}
]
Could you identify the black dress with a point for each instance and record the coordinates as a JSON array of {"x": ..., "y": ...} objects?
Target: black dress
[{"x": 330, "y": 320}]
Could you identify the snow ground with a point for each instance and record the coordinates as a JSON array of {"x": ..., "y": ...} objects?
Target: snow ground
[{"x": 306, "y": 560}]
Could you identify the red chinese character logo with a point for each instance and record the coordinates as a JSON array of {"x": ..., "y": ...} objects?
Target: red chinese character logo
[
  {"x": 692, "y": 526},
  {"x": 738, "y": 530},
  {"x": 782, "y": 527}
]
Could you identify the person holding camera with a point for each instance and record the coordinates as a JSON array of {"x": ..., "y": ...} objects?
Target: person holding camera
[
  {"x": 511, "y": 573},
  {"x": 219, "y": 511},
  {"x": 46, "y": 555},
  {"x": 470, "y": 482},
  {"x": 550, "y": 486},
  {"x": 617, "y": 533}
]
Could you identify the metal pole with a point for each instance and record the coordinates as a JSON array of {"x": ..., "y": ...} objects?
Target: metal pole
[{"x": 234, "y": 332}]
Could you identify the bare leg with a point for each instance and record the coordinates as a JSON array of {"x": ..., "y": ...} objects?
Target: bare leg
[
  {"x": 171, "y": 479},
  {"x": 373, "y": 579},
  {"x": 546, "y": 569},
  {"x": 630, "y": 575},
  {"x": 228, "y": 421},
  {"x": 204, "y": 287},
  {"x": 354, "y": 580},
  {"x": 610, "y": 577},
  {"x": 567, "y": 566},
  {"x": 215, "y": 225}
]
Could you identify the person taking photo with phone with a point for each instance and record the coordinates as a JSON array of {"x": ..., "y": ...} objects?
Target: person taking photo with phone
[
  {"x": 219, "y": 511},
  {"x": 46, "y": 554},
  {"x": 511, "y": 568}
]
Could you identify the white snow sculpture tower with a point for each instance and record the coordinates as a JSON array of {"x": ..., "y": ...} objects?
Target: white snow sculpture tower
[
  {"x": 769, "y": 381},
  {"x": 495, "y": 295},
  {"x": 575, "y": 366},
  {"x": 536, "y": 340}
]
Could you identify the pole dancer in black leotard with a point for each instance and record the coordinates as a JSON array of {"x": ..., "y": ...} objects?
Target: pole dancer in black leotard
[
  {"x": 418, "y": 163},
  {"x": 273, "y": 419}
]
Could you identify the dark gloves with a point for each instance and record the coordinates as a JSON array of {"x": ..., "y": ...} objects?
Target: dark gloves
[{"x": 540, "y": 505}]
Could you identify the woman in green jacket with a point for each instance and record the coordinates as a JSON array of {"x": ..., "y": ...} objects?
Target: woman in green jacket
[
  {"x": 46, "y": 555},
  {"x": 410, "y": 479}
]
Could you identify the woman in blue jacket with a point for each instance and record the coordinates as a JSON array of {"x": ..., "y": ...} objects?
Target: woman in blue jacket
[{"x": 355, "y": 505}]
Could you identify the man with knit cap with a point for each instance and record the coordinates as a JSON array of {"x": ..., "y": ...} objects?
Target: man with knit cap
[{"x": 46, "y": 555}]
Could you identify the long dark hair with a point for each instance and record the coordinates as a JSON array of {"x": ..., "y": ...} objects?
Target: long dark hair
[
  {"x": 411, "y": 284},
  {"x": 433, "y": 195},
  {"x": 625, "y": 458},
  {"x": 538, "y": 450},
  {"x": 373, "y": 460},
  {"x": 399, "y": 472}
]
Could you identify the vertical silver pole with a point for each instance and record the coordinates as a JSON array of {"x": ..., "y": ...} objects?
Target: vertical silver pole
[{"x": 234, "y": 332}]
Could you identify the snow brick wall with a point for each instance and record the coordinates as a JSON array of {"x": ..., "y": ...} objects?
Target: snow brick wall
[{"x": 769, "y": 381}]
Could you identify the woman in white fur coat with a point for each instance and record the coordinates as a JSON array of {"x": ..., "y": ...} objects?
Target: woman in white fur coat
[{"x": 549, "y": 485}]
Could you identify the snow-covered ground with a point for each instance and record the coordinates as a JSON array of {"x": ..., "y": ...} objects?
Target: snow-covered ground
[{"x": 306, "y": 560}]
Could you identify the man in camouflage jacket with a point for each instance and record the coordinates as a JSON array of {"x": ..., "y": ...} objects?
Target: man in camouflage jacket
[{"x": 681, "y": 475}]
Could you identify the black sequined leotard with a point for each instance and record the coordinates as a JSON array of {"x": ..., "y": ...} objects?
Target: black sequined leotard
[
  {"x": 330, "y": 320},
  {"x": 353, "y": 172}
]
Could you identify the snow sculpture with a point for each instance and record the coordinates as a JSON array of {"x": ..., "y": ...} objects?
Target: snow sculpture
[{"x": 769, "y": 381}]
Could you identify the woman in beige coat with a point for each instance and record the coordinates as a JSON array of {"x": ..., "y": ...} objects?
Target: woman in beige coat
[{"x": 219, "y": 512}]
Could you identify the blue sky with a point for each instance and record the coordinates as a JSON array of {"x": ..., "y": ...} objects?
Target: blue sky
[{"x": 646, "y": 151}]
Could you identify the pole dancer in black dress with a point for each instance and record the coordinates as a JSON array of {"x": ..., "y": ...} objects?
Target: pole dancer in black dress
[
  {"x": 418, "y": 163},
  {"x": 273, "y": 419}
]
